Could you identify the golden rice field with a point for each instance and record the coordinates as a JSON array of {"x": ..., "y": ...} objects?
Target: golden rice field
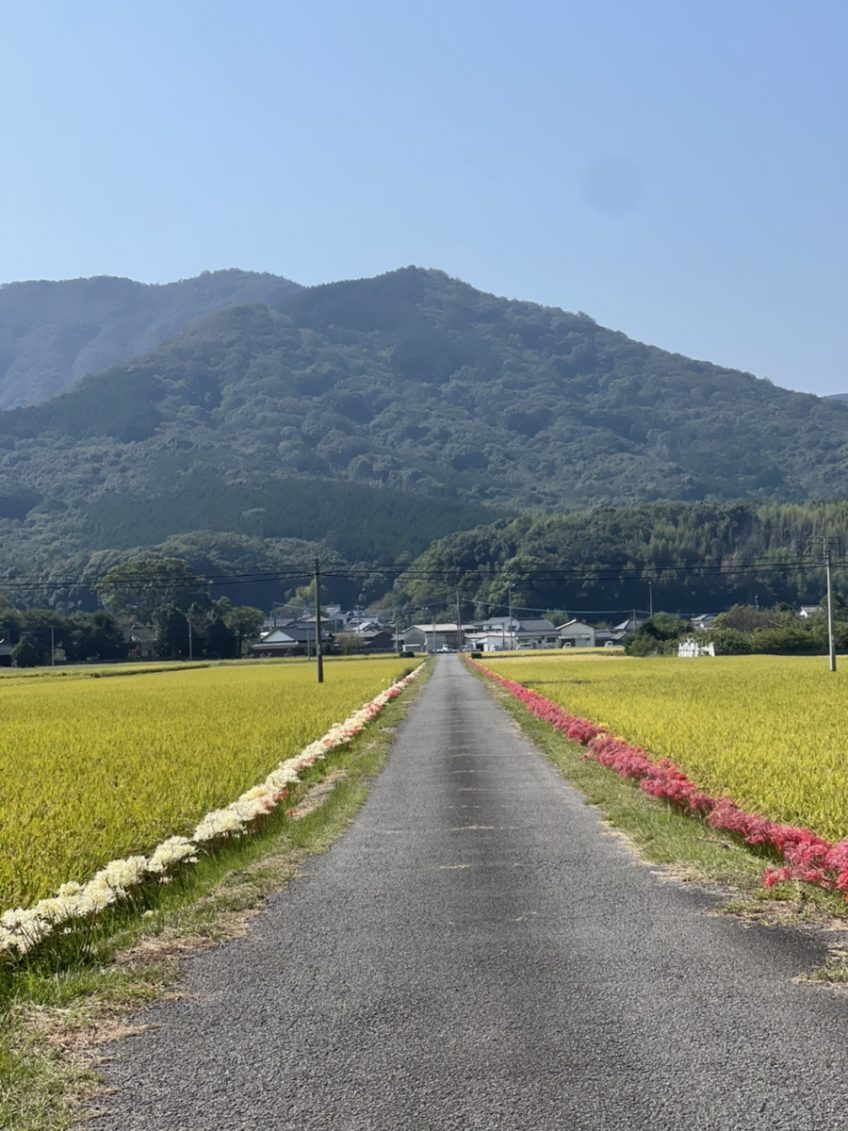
[
  {"x": 94, "y": 769},
  {"x": 769, "y": 731}
]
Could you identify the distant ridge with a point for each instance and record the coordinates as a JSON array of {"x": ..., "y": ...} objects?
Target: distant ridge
[
  {"x": 374, "y": 415},
  {"x": 53, "y": 333}
]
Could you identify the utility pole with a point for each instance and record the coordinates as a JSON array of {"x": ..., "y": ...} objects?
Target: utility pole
[
  {"x": 831, "y": 644},
  {"x": 190, "y": 642},
  {"x": 651, "y": 599},
  {"x": 319, "y": 655},
  {"x": 458, "y": 625},
  {"x": 509, "y": 607},
  {"x": 52, "y": 646}
]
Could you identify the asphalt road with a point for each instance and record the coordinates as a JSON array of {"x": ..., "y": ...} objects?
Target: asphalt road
[{"x": 478, "y": 952}]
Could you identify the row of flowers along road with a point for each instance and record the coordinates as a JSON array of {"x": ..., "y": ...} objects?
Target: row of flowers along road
[
  {"x": 22, "y": 929},
  {"x": 806, "y": 856}
]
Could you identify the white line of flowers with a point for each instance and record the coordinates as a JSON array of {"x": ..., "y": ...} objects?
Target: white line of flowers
[{"x": 25, "y": 927}]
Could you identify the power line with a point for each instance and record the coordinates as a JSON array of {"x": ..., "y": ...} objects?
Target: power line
[{"x": 446, "y": 575}]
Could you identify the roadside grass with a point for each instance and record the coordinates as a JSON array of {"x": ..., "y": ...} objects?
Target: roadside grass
[
  {"x": 686, "y": 849},
  {"x": 58, "y": 1011}
]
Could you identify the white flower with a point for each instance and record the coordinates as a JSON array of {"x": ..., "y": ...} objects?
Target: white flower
[
  {"x": 123, "y": 874},
  {"x": 94, "y": 897},
  {"x": 69, "y": 890},
  {"x": 10, "y": 943},
  {"x": 220, "y": 822},
  {"x": 175, "y": 850}
]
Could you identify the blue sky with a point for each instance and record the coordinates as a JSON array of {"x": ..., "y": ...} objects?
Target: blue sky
[{"x": 676, "y": 170}]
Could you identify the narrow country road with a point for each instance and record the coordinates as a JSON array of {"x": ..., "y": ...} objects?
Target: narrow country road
[{"x": 478, "y": 952}]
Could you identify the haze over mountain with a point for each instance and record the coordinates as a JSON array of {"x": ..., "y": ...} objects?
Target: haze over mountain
[
  {"x": 53, "y": 333},
  {"x": 375, "y": 415}
]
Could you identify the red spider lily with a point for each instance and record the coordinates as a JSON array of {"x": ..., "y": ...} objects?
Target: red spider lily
[{"x": 806, "y": 855}]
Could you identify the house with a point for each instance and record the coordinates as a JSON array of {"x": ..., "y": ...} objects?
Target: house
[
  {"x": 808, "y": 611},
  {"x": 703, "y": 622},
  {"x": 142, "y": 641},
  {"x": 376, "y": 642},
  {"x": 433, "y": 637},
  {"x": 490, "y": 642},
  {"x": 365, "y": 627},
  {"x": 297, "y": 638},
  {"x": 504, "y": 634},
  {"x": 605, "y": 638},
  {"x": 576, "y": 634},
  {"x": 5, "y": 654},
  {"x": 499, "y": 624},
  {"x": 538, "y": 632},
  {"x": 626, "y": 628}
]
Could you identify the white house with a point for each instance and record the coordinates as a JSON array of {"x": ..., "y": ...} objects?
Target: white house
[{"x": 499, "y": 634}]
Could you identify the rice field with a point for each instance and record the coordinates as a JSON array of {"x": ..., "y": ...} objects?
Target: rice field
[
  {"x": 768, "y": 731},
  {"x": 96, "y": 769}
]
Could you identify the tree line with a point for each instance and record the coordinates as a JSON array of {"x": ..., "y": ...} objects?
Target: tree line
[{"x": 161, "y": 604}]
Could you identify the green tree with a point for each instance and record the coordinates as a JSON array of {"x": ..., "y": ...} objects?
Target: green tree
[
  {"x": 45, "y": 629},
  {"x": 349, "y": 643},
  {"x": 138, "y": 590},
  {"x": 25, "y": 654},
  {"x": 245, "y": 622},
  {"x": 219, "y": 640},
  {"x": 95, "y": 636},
  {"x": 171, "y": 632}
]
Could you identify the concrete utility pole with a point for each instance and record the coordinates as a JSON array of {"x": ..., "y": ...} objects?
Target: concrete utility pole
[
  {"x": 52, "y": 646},
  {"x": 651, "y": 599},
  {"x": 831, "y": 643},
  {"x": 458, "y": 625},
  {"x": 319, "y": 654},
  {"x": 190, "y": 641},
  {"x": 509, "y": 609}
]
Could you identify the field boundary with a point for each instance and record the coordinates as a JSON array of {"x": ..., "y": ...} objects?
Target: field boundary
[
  {"x": 77, "y": 905},
  {"x": 805, "y": 856}
]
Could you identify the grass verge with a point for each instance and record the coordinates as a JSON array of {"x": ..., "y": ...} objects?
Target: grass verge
[
  {"x": 58, "y": 1012},
  {"x": 685, "y": 847}
]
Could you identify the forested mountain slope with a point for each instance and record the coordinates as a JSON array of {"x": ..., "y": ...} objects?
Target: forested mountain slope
[
  {"x": 53, "y": 333},
  {"x": 698, "y": 557},
  {"x": 377, "y": 414}
]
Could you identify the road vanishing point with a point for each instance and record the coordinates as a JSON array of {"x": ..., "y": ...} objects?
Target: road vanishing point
[{"x": 479, "y": 951}]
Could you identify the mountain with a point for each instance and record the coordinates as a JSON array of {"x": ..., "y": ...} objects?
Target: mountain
[
  {"x": 376, "y": 414},
  {"x": 53, "y": 333}
]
